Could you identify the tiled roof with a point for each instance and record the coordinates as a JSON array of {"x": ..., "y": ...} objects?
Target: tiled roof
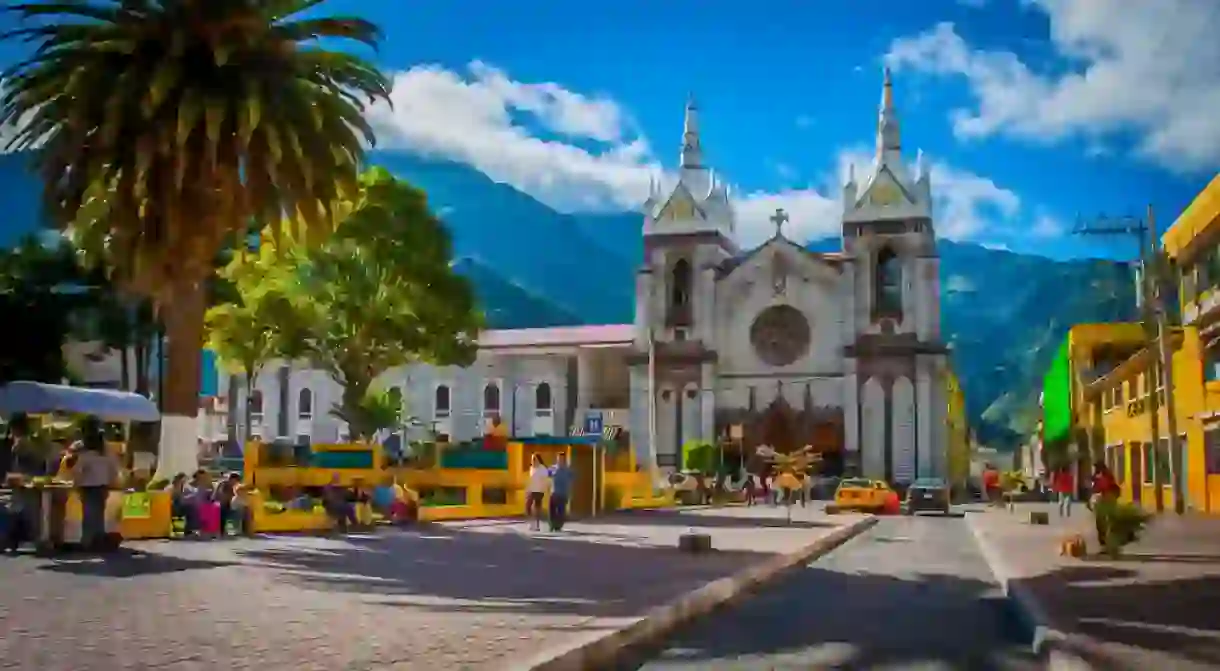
[{"x": 601, "y": 334}]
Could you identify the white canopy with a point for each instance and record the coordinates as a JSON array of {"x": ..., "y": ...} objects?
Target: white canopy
[{"x": 107, "y": 404}]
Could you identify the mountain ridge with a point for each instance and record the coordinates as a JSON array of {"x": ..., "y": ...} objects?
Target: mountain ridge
[{"x": 1003, "y": 312}]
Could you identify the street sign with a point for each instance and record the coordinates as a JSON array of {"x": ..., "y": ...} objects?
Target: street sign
[{"x": 593, "y": 423}]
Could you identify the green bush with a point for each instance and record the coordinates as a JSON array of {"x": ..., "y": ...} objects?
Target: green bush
[{"x": 1123, "y": 523}]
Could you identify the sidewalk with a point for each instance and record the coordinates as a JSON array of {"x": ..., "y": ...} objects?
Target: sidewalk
[
  {"x": 1156, "y": 607},
  {"x": 476, "y": 595}
]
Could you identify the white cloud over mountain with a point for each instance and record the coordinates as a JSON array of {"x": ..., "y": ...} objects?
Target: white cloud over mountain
[
  {"x": 1150, "y": 68},
  {"x": 580, "y": 152}
]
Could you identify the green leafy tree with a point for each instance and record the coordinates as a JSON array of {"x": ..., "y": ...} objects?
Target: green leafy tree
[
  {"x": 243, "y": 333},
  {"x": 176, "y": 122},
  {"x": 378, "y": 410},
  {"x": 380, "y": 293},
  {"x": 43, "y": 288}
]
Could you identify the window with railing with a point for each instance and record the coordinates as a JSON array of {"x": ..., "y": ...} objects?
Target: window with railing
[{"x": 1211, "y": 365}]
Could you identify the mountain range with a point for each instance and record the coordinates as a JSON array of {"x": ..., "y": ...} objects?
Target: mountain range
[{"x": 1004, "y": 313}]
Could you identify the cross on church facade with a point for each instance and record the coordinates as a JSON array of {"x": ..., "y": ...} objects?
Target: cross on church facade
[{"x": 779, "y": 219}]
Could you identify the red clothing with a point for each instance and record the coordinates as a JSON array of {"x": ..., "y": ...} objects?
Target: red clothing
[
  {"x": 1103, "y": 483},
  {"x": 1063, "y": 482},
  {"x": 991, "y": 479}
]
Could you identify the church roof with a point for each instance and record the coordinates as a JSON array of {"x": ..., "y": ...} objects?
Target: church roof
[
  {"x": 590, "y": 336},
  {"x": 726, "y": 267}
]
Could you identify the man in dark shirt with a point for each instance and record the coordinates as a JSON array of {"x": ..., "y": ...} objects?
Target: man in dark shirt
[{"x": 340, "y": 504}]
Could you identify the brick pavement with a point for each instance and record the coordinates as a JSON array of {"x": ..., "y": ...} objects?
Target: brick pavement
[
  {"x": 1156, "y": 607},
  {"x": 445, "y": 596}
]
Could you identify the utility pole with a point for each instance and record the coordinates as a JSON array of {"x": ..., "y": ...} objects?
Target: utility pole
[{"x": 1151, "y": 298}]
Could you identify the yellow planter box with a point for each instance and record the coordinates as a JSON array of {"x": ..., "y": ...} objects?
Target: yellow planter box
[
  {"x": 290, "y": 521},
  {"x": 151, "y": 520}
]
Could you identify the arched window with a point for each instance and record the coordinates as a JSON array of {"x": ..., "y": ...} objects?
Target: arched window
[
  {"x": 491, "y": 399},
  {"x": 542, "y": 400},
  {"x": 442, "y": 401},
  {"x": 888, "y": 283},
  {"x": 305, "y": 404},
  {"x": 255, "y": 405},
  {"x": 679, "y": 284}
]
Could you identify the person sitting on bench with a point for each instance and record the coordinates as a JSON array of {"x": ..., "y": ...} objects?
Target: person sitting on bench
[{"x": 340, "y": 504}]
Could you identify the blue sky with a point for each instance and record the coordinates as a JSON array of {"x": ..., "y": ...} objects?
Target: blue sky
[{"x": 1030, "y": 111}]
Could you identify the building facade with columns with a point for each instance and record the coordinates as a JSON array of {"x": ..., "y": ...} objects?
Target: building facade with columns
[{"x": 773, "y": 345}]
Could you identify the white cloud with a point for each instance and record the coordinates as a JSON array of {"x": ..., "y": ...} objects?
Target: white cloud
[
  {"x": 1046, "y": 226},
  {"x": 476, "y": 119},
  {"x": 959, "y": 284},
  {"x": 490, "y": 121},
  {"x": 1147, "y": 67},
  {"x": 966, "y": 205}
]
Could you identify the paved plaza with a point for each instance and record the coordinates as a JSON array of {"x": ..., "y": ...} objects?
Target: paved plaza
[
  {"x": 910, "y": 593},
  {"x": 1156, "y": 607},
  {"x": 475, "y": 595}
]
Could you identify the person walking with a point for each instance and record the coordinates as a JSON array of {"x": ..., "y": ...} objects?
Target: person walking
[
  {"x": 94, "y": 473},
  {"x": 1104, "y": 499},
  {"x": 1063, "y": 486},
  {"x": 561, "y": 488},
  {"x": 535, "y": 491}
]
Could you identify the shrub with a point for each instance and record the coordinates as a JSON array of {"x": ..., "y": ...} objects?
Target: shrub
[{"x": 1122, "y": 522}]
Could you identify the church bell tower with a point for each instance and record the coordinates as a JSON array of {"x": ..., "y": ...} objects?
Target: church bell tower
[
  {"x": 894, "y": 397},
  {"x": 688, "y": 231}
]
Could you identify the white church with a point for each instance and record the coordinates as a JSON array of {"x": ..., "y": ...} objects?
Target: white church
[{"x": 774, "y": 345}]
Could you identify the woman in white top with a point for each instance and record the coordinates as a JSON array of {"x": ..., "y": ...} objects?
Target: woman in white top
[{"x": 535, "y": 491}]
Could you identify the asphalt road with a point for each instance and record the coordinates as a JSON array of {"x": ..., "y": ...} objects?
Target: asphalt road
[{"x": 911, "y": 593}]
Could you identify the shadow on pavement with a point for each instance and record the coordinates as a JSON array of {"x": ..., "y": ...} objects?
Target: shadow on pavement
[
  {"x": 821, "y": 618},
  {"x": 128, "y": 564},
  {"x": 1176, "y": 616},
  {"x": 450, "y": 570},
  {"x": 700, "y": 519}
]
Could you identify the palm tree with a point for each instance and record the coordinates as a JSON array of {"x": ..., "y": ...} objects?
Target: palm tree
[{"x": 175, "y": 123}]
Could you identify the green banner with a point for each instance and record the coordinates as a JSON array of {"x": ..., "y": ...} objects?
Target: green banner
[
  {"x": 137, "y": 505},
  {"x": 1057, "y": 396}
]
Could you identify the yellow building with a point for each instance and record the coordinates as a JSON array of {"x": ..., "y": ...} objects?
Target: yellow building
[
  {"x": 1120, "y": 406},
  {"x": 1193, "y": 242},
  {"x": 957, "y": 433}
]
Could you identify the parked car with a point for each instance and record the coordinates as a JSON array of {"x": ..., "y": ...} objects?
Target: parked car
[
  {"x": 928, "y": 495},
  {"x": 862, "y": 494}
]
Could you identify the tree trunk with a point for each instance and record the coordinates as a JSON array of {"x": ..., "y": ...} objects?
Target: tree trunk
[
  {"x": 124, "y": 371},
  {"x": 355, "y": 388},
  {"x": 183, "y": 318},
  {"x": 141, "y": 357},
  {"x": 247, "y": 411}
]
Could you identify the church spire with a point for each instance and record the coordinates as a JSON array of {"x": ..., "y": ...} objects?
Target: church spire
[
  {"x": 889, "y": 143},
  {"x": 692, "y": 147}
]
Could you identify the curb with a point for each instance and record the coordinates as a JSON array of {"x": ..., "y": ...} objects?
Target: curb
[
  {"x": 604, "y": 649},
  {"x": 1048, "y": 640}
]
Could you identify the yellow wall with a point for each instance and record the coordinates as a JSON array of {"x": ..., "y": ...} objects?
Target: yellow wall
[
  {"x": 958, "y": 433},
  {"x": 1195, "y": 220},
  {"x": 1130, "y": 423}
]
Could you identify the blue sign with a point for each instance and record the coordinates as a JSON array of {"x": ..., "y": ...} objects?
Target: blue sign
[{"x": 593, "y": 423}]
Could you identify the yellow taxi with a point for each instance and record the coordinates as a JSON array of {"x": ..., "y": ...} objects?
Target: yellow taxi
[{"x": 862, "y": 494}]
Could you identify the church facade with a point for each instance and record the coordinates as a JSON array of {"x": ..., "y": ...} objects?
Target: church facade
[
  {"x": 782, "y": 346},
  {"x": 774, "y": 345}
]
